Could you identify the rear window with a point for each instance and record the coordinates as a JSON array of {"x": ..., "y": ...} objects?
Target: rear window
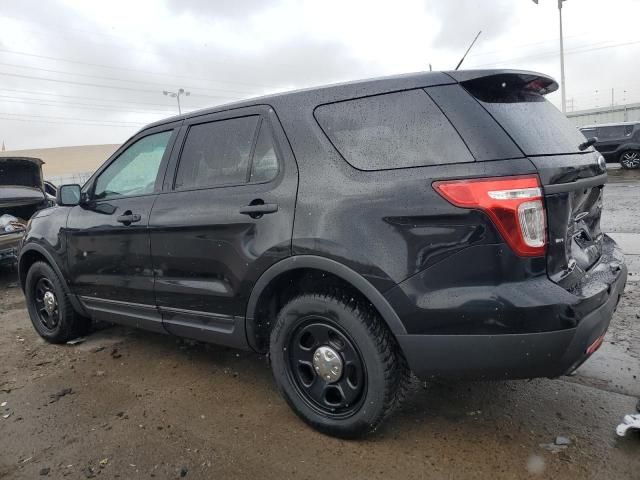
[
  {"x": 394, "y": 130},
  {"x": 536, "y": 126},
  {"x": 20, "y": 173}
]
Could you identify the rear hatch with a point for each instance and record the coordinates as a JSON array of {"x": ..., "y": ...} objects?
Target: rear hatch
[
  {"x": 572, "y": 179},
  {"x": 21, "y": 186}
]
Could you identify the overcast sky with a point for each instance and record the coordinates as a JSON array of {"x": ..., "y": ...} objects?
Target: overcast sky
[{"x": 75, "y": 72}]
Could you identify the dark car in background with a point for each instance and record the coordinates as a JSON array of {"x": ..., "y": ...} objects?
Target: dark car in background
[
  {"x": 617, "y": 142},
  {"x": 22, "y": 193},
  {"x": 445, "y": 223}
]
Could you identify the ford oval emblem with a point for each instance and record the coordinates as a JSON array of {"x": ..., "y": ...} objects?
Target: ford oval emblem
[{"x": 602, "y": 163}]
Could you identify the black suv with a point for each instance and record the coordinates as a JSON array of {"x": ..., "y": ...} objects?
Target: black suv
[
  {"x": 617, "y": 142},
  {"x": 445, "y": 223}
]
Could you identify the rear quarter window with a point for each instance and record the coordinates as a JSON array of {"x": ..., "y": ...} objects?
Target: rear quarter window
[{"x": 394, "y": 130}]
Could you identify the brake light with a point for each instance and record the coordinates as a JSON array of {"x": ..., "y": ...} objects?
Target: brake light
[{"x": 514, "y": 204}]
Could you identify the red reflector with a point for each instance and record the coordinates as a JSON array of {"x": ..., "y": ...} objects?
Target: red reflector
[
  {"x": 514, "y": 204},
  {"x": 595, "y": 345}
]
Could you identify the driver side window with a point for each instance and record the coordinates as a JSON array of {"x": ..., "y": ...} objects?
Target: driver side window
[{"x": 135, "y": 171}]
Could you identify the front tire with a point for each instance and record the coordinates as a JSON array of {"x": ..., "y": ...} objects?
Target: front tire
[
  {"x": 50, "y": 309},
  {"x": 336, "y": 364},
  {"x": 630, "y": 159}
]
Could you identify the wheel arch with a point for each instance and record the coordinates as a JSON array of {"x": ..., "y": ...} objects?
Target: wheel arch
[
  {"x": 626, "y": 147},
  {"x": 32, "y": 253},
  {"x": 288, "y": 267}
]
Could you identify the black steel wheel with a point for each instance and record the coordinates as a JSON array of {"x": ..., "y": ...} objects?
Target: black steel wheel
[
  {"x": 50, "y": 309},
  {"x": 336, "y": 363},
  {"x": 327, "y": 367},
  {"x": 46, "y": 304}
]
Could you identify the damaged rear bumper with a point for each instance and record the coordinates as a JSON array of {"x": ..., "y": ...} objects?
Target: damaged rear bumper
[{"x": 510, "y": 356}]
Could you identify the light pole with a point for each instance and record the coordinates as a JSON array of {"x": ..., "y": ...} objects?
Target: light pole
[
  {"x": 176, "y": 95},
  {"x": 562, "y": 90}
]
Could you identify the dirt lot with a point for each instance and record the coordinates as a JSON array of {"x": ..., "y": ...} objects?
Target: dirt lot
[{"x": 128, "y": 404}]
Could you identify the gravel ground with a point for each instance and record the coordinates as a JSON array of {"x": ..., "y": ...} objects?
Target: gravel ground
[{"x": 131, "y": 404}]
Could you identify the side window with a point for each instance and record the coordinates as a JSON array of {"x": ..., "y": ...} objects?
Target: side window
[
  {"x": 265, "y": 161},
  {"x": 613, "y": 132},
  {"x": 217, "y": 153},
  {"x": 135, "y": 171},
  {"x": 395, "y": 130},
  {"x": 628, "y": 130}
]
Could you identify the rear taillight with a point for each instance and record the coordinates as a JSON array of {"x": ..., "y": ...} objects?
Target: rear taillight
[{"x": 514, "y": 204}]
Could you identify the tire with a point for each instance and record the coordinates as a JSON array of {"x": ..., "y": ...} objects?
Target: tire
[
  {"x": 630, "y": 159},
  {"x": 373, "y": 375},
  {"x": 61, "y": 323}
]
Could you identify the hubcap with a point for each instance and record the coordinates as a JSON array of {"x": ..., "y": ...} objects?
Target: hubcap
[
  {"x": 327, "y": 364},
  {"x": 326, "y": 368},
  {"x": 50, "y": 303}
]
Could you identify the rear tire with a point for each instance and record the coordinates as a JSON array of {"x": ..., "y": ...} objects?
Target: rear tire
[
  {"x": 630, "y": 159},
  {"x": 49, "y": 307},
  {"x": 366, "y": 384}
]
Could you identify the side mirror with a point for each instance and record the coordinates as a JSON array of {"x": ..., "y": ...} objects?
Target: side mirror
[
  {"x": 588, "y": 143},
  {"x": 68, "y": 195}
]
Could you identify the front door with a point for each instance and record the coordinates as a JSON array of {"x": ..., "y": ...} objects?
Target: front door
[
  {"x": 107, "y": 236},
  {"x": 223, "y": 219}
]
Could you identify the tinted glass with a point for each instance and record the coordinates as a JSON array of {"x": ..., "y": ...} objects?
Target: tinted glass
[
  {"x": 610, "y": 133},
  {"x": 628, "y": 130},
  {"x": 396, "y": 130},
  {"x": 485, "y": 139},
  {"x": 265, "y": 162},
  {"x": 135, "y": 171},
  {"x": 217, "y": 153},
  {"x": 589, "y": 132},
  {"x": 20, "y": 172},
  {"x": 536, "y": 126}
]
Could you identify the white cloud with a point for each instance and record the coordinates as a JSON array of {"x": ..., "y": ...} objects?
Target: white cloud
[{"x": 225, "y": 49}]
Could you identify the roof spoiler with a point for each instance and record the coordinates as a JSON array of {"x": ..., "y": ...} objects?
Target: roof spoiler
[{"x": 499, "y": 79}]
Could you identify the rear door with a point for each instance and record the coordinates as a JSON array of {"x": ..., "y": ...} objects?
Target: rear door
[{"x": 224, "y": 217}]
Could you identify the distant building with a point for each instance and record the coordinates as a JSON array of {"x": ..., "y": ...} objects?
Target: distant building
[
  {"x": 615, "y": 114},
  {"x": 68, "y": 164}
]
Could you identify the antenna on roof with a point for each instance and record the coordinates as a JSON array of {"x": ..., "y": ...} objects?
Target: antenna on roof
[{"x": 465, "y": 53}]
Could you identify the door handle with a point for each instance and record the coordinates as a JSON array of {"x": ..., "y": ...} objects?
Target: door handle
[
  {"x": 256, "y": 210},
  {"x": 128, "y": 218}
]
